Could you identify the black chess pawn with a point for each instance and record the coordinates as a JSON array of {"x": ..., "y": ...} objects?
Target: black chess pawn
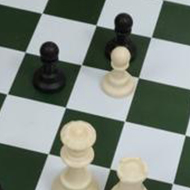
[
  {"x": 49, "y": 78},
  {"x": 123, "y": 28}
]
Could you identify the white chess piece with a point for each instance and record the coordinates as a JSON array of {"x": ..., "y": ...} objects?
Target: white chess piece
[
  {"x": 119, "y": 83},
  {"x": 131, "y": 172},
  {"x": 77, "y": 152}
]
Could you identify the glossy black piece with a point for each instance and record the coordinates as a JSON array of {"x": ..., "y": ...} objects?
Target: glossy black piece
[
  {"x": 49, "y": 78},
  {"x": 123, "y": 27}
]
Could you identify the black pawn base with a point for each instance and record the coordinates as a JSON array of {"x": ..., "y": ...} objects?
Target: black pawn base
[
  {"x": 49, "y": 83},
  {"x": 111, "y": 45}
]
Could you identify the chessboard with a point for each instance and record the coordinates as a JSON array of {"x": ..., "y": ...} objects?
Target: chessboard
[{"x": 152, "y": 123}]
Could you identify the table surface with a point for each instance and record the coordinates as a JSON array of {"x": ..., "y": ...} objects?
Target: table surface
[{"x": 152, "y": 123}]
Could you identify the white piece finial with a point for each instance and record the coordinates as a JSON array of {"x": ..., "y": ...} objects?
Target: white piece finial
[
  {"x": 78, "y": 135},
  {"x": 132, "y": 172}
]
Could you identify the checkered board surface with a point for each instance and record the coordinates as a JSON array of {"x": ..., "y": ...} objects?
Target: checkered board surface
[{"x": 153, "y": 123}]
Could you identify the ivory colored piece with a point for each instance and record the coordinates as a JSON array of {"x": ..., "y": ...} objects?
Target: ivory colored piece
[
  {"x": 78, "y": 138},
  {"x": 119, "y": 83},
  {"x": 132, "y": 172}
]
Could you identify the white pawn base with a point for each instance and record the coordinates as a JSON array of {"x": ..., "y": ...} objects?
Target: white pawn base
[
  {"x": 117, "y": 187},
  {"x": 118, "y": 84},
  {"x": 57, "y": 185}
]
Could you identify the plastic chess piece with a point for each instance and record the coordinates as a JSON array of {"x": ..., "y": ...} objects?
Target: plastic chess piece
[
  {"x": 119, "y": 83},
  {"x": 78, "y": 138},
  {"x": 49, "y": 78},
  {"x": 123, "y": 28},
  {"x": 132, "y": 172}
]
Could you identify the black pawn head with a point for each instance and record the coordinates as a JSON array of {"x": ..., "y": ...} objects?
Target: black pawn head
[
  {"x": 123, "y": 23},
  {"x": 49, "y": 52}
]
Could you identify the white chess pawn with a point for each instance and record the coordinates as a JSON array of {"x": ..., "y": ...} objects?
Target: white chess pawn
[
  {"x": 119, "y": 83},
  {"x": 132, "y": 172},
  {"x": 77, "y": 152}
]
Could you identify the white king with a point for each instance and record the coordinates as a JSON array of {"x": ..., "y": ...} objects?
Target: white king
[{"x": 78, "y": 138}]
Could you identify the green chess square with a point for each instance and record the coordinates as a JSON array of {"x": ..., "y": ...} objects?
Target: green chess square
[
  {"x": 182, "y": 177},
  {"x": 112, "y": 180},
  {"x": 160, "y": 106},
  {"x": 149, "y": 183},
  {"x": 83, "y": 10},
  {"x": 25, "y": 76},
  {"x": 96, "y": 57},
  {"x": 20, "y": 169},
  {"x": 157, "y": 185},
  {"x": 173, "y": 23},
  {"x": 17, "y": 27},
  {"x": 2, "y": 98},
  {"x": 103, "y": 127}
]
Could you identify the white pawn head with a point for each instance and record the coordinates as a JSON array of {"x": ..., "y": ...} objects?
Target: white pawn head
[{"x": 120, "y": 58}]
